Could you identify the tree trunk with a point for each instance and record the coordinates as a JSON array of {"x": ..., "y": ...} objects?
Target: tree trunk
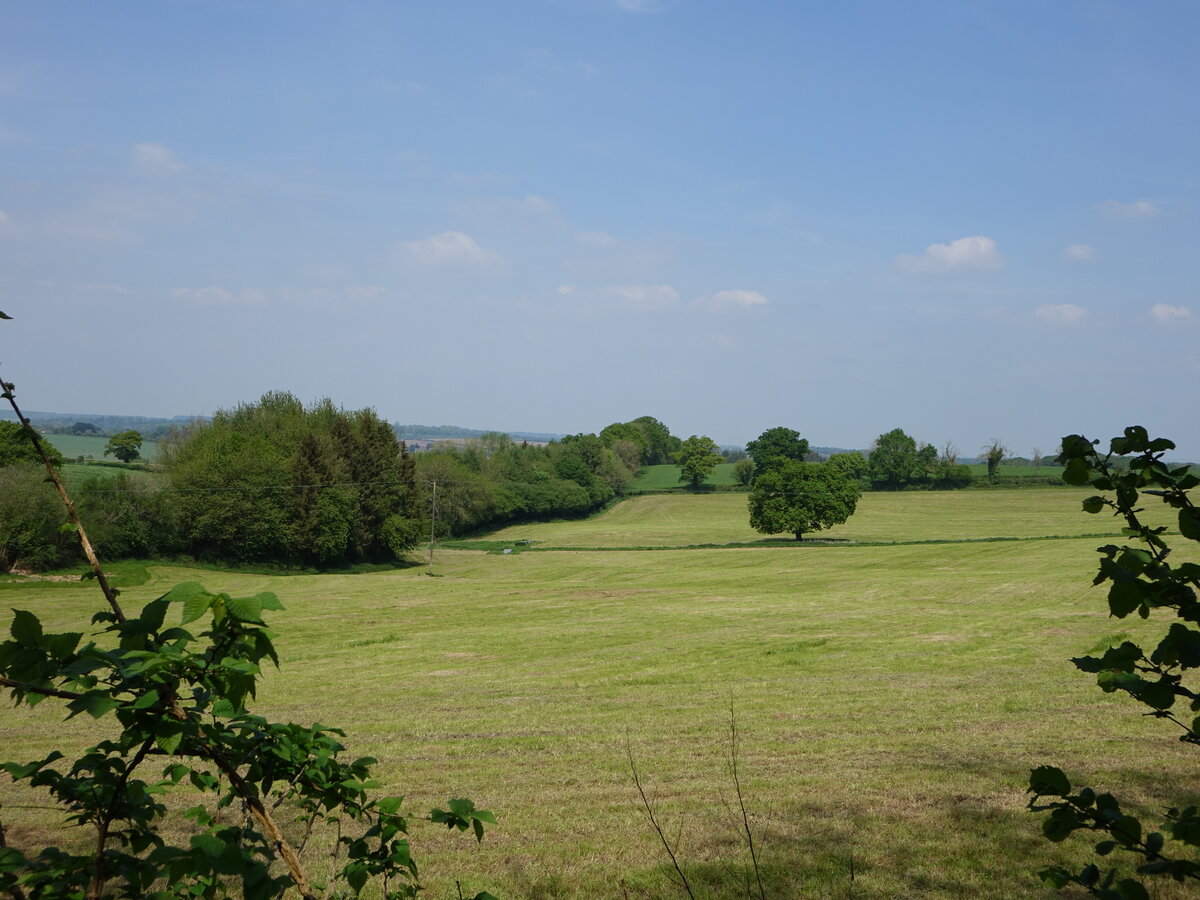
[{"x": 799, "y": 535}]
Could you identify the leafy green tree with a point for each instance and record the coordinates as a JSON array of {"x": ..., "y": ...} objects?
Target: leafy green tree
[
  {"x": 776, "y": 445},
  {"x": 30, "y": 519},
  {"x": 852, "y": 464},
  {"x": 696, "y": 459},
  {"x": 798, "y": 497},
  {"x": 84, "y": 428},
  {"x": 1162, "y": 677},
  {"x": 661, "y": 443},
  {"x": 124, "y": 445},
  {"x": 743, "y": 471},
  {"x": 16, "y": 448},
  {"x": 893, "y": 462}
]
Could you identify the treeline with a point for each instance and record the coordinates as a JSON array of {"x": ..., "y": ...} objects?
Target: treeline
[{"x": 278, "y": 482}]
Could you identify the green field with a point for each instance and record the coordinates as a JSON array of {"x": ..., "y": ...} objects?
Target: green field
[
  {"x": 73, "y": 446},
  {"x": 662, "y": 478},
  {"x": 890, "y": 699}
]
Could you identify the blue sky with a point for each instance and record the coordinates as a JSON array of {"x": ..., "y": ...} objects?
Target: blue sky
[{"x": 968, "y": 220}]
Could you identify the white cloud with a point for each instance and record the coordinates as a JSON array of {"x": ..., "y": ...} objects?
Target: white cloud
[
  {"x": 1164, "y": 312},
  {"x": 737, "y": 298},
  {"x": 648, "y": 296},
  {"x": 156, "y": 159},
  {"x": 1060, "y": 313},
  {"x": 1138, "y": 209},
  {"x": 210, "y": 294},
  {"x": 6, "y": 225},
  {"x": 448, "y": 248},
  {"x": 976, "y": 252},
  {"x": 1079, "y": 253},
  {"x": 106, "y": 288},
  {"x": 565, "y": 289}
]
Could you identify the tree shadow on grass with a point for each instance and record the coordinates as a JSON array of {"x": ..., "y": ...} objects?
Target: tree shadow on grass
[{"x": 944, "y": 845}]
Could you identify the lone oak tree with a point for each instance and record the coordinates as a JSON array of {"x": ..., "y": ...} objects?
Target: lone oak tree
[
  {"x": 124, "y": 445},
  {"x": 696, "y": 458},
  {"x": 797, "y": 497}
]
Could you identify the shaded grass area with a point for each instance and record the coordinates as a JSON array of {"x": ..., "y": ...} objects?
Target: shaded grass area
[{"x": 890, "y": 699}]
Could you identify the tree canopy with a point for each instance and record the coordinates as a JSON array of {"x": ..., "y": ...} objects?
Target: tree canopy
[
  {"x": 775, "y": 446},
  {"x": 797, "y": 497},
  {"x": 17, "y": 448},
  {"x": 124, "y": 445},
  {"x": 696, "y": 458}
]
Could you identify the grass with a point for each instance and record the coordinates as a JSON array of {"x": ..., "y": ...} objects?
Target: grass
[
  {"x": 73, "y": 446},
  {"x": 673, "y": 520},
  {"x": 890, "y": 700},
  {"x": 664, "y": 478}
]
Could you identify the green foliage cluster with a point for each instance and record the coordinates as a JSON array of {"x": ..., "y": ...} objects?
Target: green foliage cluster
[
  {"x": 775, "y": 447},
  {"x": 897, "y": 462},
  {"x": 16, "y": 448},
  {"x": 696, "y": 458},
  {"x": 496, "y": 481},
  {"x": 795, "y": 497},
  {"x": 655, "y": 444},
  {"x": 274, "y": 480},
  {"x": 124, "y": 445},
  {"x": 31, "y": 517},
  {"x": 1141, "y": 579}
]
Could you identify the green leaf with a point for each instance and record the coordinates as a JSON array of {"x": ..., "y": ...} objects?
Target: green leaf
[
  {"x": 195, "y": 603},
  {"x": 209, "y": 844},
  {"x": 1077, "y": 472},
  {"x": 145, "y": 701},
  {"x": 1049, "y": 781},
  {"x": 1189, "y": 523},
  {"x": 3, "y": 315},
  {"x": 245, "y": 609},
  {"x": 94, "y": 703},
  {"x": 1159, "y": 695},
  {"x": 26, "y": 629},
  {"x": 61, "y": 646},
  {"x": 1125, "y": 596},
  {"x": 1093, "y": 504}
]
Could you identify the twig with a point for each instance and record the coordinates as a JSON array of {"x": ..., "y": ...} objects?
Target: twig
[
  {"x": 737, "y": 786},
  {"x": 654, "y": 821}
]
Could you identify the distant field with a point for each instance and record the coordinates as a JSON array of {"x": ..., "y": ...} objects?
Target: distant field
[
  {"x": 658, "y": 478},
  {"x": 890, "y": 700},
  {"x": 671, "y": 520},
  {"x": 979, "y": 470},
  {"x": 75, "y": 445}
]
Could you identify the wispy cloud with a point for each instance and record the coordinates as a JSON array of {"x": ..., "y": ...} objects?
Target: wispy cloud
[
  {"x": 736, "y": 298},
  {"x": 6, "y": 225},
  {"x": 648, "y": 296},
  {"x": 1079, "y": 253},
  {"x": 157, "y": 159},
  {"x": 449, "y": 248},
  {"x": 1165, "y": 312},
  {"x": 977, "y": 252},
  {"x": 1138, "y": 209},
  {"x": 215, "y": 294},
  {"x": 595, "y": 239},
  {"x": 1060, "y": 313}
]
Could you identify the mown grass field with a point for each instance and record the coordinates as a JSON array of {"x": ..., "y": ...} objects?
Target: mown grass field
[
  {"x": 662, "y": 478},
  {"x": 76, "y": 445},
  {"x": 890, "y": 699}
]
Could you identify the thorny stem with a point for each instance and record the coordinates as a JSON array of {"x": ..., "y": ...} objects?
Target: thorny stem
[{"x": 96, "y": 888}]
